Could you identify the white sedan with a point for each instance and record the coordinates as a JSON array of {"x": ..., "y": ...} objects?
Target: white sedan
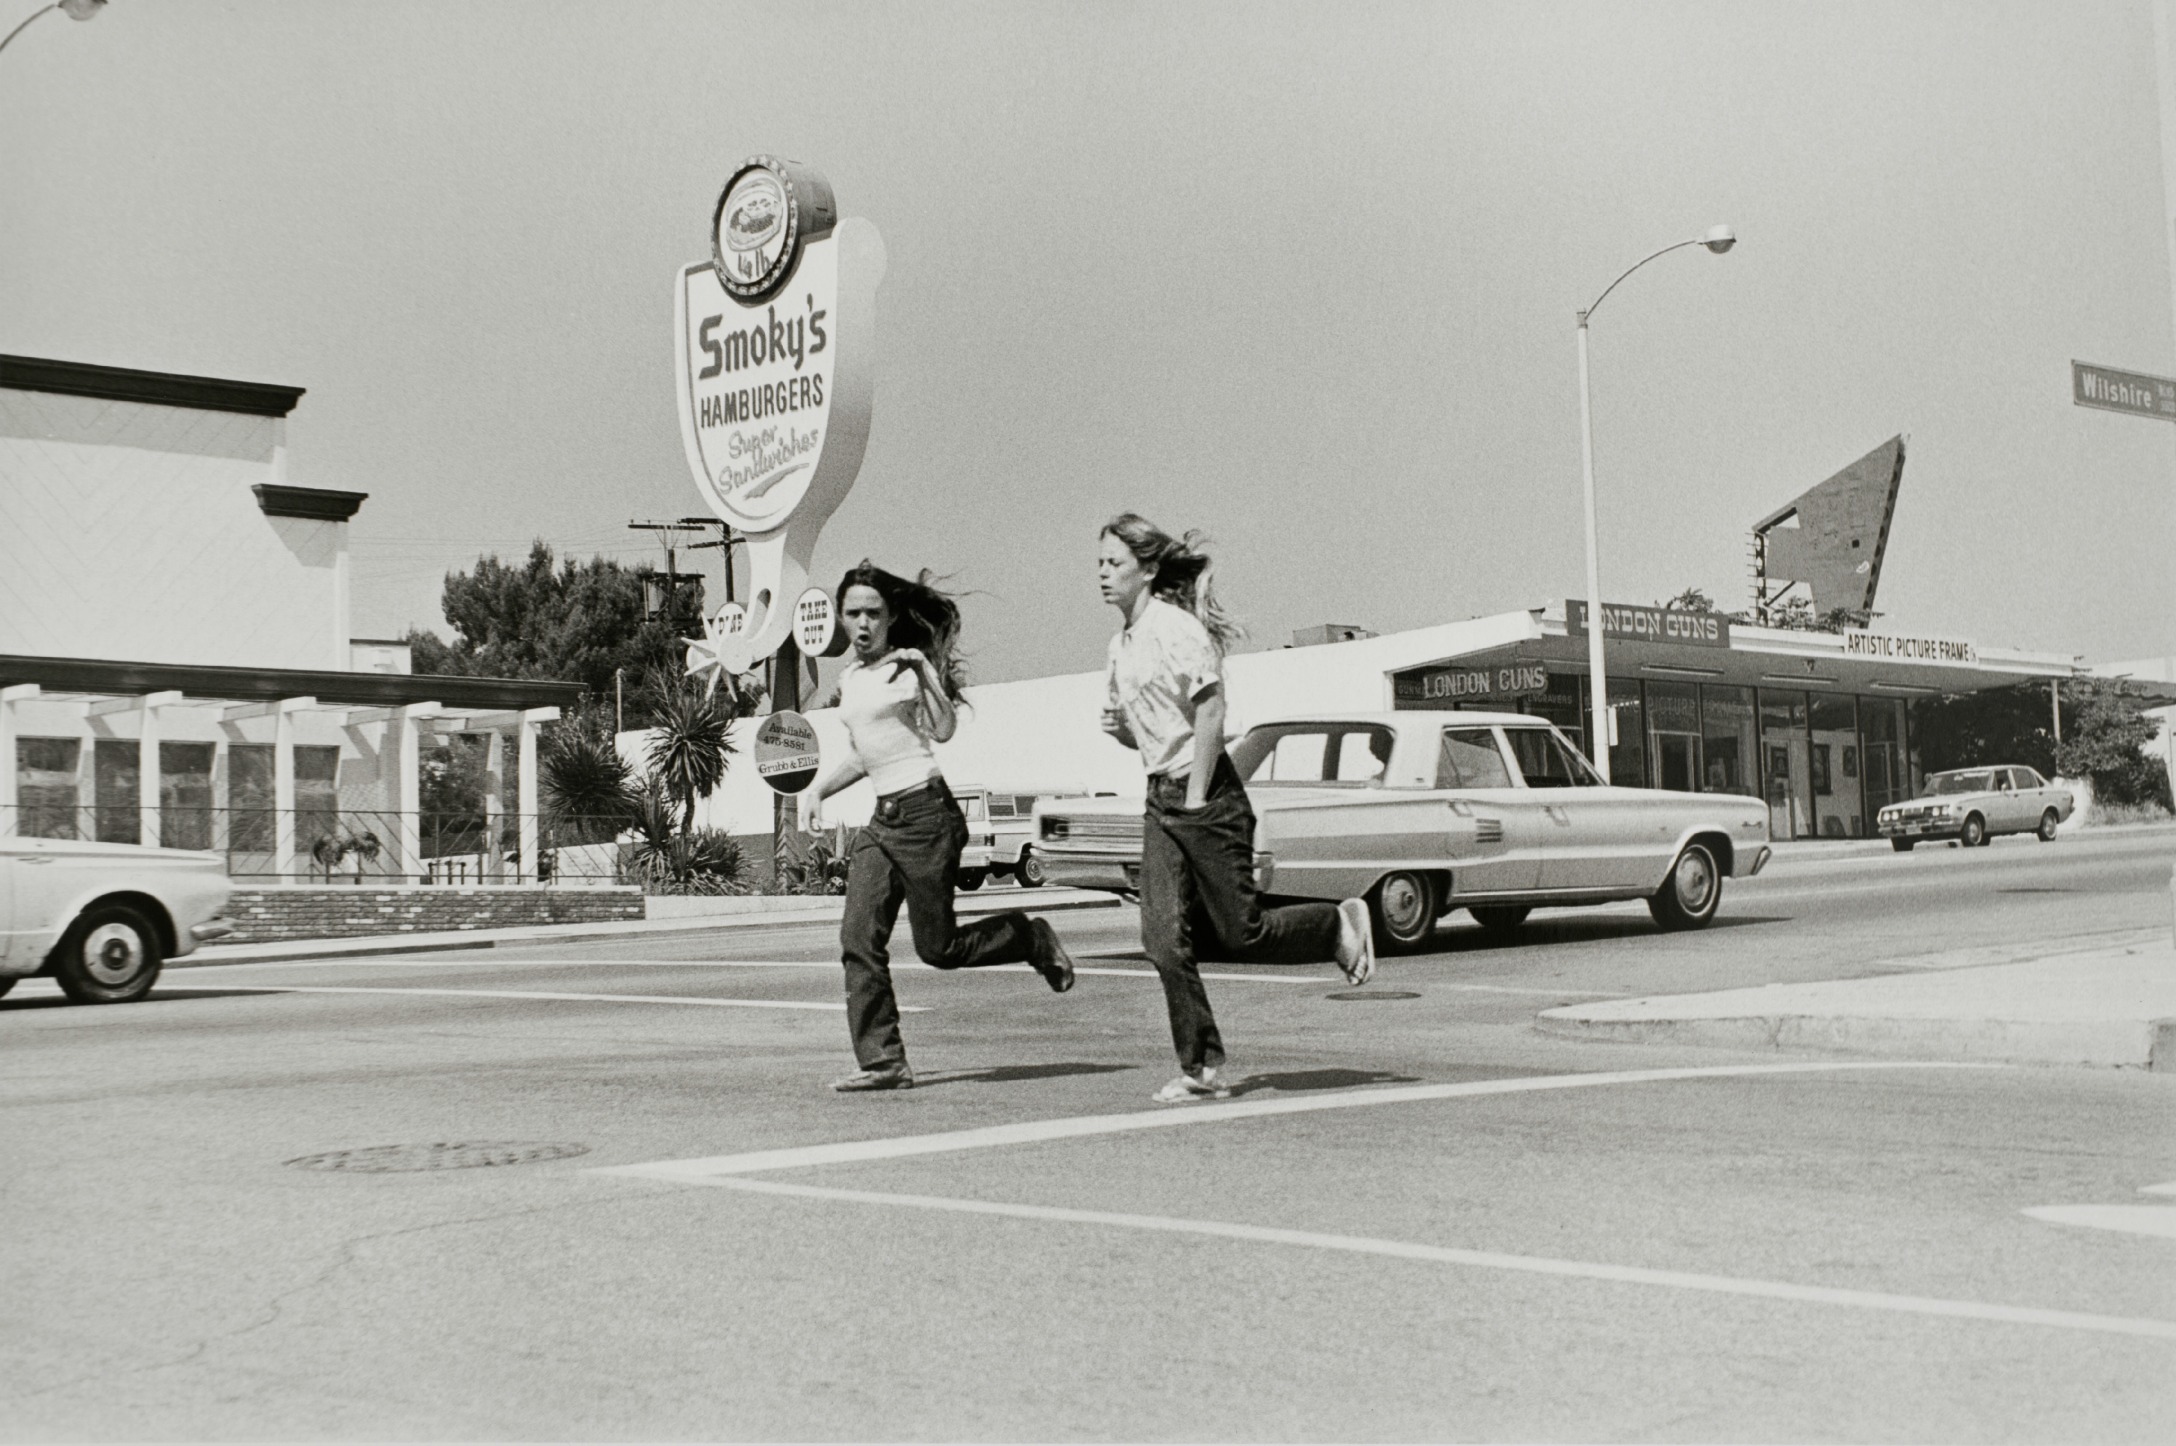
[
  {"x": 102, "y": 918},
  {"x": 1420, "y": 813}
]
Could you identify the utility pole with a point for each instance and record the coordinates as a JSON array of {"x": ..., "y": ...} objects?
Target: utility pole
[{"x": 669, "y": 533}]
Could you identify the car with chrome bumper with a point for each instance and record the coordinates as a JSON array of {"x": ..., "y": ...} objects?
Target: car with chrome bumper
[
  {"x": 103, "y": 918},
  {"x": 1972, "y": 805},
  {"x": 1421, "y": 813}
]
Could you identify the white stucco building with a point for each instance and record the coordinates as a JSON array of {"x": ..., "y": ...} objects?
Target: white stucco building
[{"x": 176, "y": 665}]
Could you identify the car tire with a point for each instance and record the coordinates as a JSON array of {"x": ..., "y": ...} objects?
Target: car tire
[
  {"x": 1498, "y": 920},
  {"x": 1691, "y": 894},
  {"x": 1902, "y": 845},
  {"x": 1404, "y": 908},
  {"x": 971, "y": 879},
  {"x": 2050, "y": 821},
  {"x": 110, "y": 955},
  {"x": 1030, "y": 873},
  {"x": 1974, "y": 832}
]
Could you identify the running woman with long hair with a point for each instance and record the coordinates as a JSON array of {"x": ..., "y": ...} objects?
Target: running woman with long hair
[
  {"x": 899, "y": 696},
  {"x": 1166, "y": 699}
]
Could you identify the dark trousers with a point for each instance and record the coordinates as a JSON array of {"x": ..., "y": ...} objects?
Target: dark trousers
[
  {"x": 910, "y": 852},
  {"x": 1197, "y": 877}
]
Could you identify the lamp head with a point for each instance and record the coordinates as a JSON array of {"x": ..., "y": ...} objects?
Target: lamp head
[{"x": 1719, "y": 239}]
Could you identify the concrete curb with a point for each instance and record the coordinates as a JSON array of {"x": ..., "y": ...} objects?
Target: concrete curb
[
  {"x": 2111, "y": 1043},
  {"x": 813, "y": 910},
  {"x": 2110, "y": 1006}
]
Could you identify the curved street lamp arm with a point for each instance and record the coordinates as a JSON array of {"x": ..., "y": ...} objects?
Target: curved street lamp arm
[
  {"x": 26, "y": 24},
  {"x": 1678, "y": 246}
]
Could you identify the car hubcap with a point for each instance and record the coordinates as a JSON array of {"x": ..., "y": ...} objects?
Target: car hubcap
[
  {"x": 113, "y": 954},
  {"x": 1695, "y": 881},
  {"x": 1402, "y": 905}
]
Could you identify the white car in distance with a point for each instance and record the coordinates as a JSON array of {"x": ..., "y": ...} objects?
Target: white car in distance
[
  {"x": 103, "y": 918},
  {"x": 1421, "y": 813}
]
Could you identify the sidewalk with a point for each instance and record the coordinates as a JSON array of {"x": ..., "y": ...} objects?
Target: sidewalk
[
  {"x": 760, "y": 912},
  {"x": 2112, "y": 1005}
]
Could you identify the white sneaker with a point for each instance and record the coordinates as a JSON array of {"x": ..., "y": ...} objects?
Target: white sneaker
[
  {"x": 1209, "y": 1085},
  {"x": 1355, "y": 942}
]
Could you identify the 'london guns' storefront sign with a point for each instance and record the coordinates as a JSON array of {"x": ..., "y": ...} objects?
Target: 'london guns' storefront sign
[
  {"x": 1503, "y": 683},
  {"x": 776, "y": 368},
  {"x": 1627, "y": 623}
]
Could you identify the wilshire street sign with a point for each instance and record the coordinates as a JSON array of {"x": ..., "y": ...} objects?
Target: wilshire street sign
[{"x": 2114, "y": 391}]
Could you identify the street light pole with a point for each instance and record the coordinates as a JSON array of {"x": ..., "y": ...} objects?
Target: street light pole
[
  {"x": 1718, "y": 240},
  {"x": 73, "y": 9}
]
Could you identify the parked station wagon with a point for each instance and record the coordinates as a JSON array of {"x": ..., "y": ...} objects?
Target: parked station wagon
[
  {"x": 1422, "y": 813},
  {"x": 1972, "y": 805}
]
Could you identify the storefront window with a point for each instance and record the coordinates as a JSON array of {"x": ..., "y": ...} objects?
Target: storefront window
[
  {"x": 317, "y": 796},
  {"x": 46, "y": 791},
  {"x": 1837, "y": 805},
  {"x": 1628, "y": 754},
  {"x": 185, "y": 795},
  {"x": 249, "y": 803},
  {"x": 1673, "y": 722},
  {"x": 1729, "y": 760},
  {"x": 1883, "y": 763},
  {"x": 1560, "y": 705},
  {"x": 117, "y": 789},
  {"x": 1786, "y": 763}
]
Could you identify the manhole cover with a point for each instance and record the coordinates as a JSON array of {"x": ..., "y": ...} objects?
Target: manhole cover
[
  {"x": 461, "y": 1155},
  {"x": 1362, "y": 996}
]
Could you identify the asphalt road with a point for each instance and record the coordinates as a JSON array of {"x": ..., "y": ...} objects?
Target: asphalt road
[{"x": 1420, "y": 1219}]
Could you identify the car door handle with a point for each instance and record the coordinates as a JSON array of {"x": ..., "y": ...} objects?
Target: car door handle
[
  {"x": 37, "y": 861},
  {"x": 1558, "y": 815}
]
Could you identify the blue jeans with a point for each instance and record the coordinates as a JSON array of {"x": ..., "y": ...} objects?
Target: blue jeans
[
  {"x": 910, "y": 852},
  {"x": 1197, "y": 880}
]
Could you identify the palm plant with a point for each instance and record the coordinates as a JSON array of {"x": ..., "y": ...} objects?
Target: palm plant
[
  {"x": 689, "y": 749},
  {"x": 588, "y": 789}
]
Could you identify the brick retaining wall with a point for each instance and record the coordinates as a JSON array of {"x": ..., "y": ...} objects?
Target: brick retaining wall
[{"x": 261, "y": 915}]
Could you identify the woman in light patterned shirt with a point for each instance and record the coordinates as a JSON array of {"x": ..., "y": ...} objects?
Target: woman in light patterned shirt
[{"x": 1166, "y": 699}]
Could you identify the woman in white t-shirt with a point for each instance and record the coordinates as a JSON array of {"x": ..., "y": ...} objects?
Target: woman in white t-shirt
[
  {"x": 1166, "y": 699},
  {"x": 898, "y": 697}
]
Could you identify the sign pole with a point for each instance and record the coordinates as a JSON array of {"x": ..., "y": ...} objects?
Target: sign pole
[
  {"x": 785, "y": 698},
  {"x": 1597, "y": 680}
]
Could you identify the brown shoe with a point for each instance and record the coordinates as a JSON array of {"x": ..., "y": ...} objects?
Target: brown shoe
[
  {"x": 884, "y": 1077},
  {"x": 1051, "y": 959}
]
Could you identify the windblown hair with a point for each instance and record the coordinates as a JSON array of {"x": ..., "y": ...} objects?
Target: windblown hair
[
  {"x": 922, "y": 617},
  {"x": 1185, "y": 575}
]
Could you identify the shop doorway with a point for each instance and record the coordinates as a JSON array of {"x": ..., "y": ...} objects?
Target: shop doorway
[
  {"x": 1786, "y": 764},
  {"x": 1677, "y": 762}
]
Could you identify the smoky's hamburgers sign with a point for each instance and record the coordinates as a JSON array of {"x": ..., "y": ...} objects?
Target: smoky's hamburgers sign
[{"x": 775, "y": 366}]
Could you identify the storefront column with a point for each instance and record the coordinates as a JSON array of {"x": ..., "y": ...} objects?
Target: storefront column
[
  {"x": 526, "y": 790},
  {"x": 147, "y": 767},
  {"x": 9, "y": 696},
  {"x": 408, "y": 795}
]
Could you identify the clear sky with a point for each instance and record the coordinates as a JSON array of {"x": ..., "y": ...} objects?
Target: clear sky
[{"x": 1303, "y": 275}]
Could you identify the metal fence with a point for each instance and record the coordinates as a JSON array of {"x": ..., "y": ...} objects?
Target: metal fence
[{"x": 350, "y": 846}]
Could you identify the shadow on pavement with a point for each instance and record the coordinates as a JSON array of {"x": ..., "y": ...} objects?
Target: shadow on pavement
[
  {"x": 1300, "y": 1081},
  {"x": 1474, "y": 939},
  {"x": 158, "y": 995},
  {"x": 1015, "y": 1073}
]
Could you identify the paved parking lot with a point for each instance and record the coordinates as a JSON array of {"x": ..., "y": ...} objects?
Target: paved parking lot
[{"x": 1420, "y": 1218}]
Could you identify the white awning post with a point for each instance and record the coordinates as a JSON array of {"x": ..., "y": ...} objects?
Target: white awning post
[
  {"x": 9, "y": 696},
  {"x": 409, "y": 800},
  {"x": 526, "y": 790},
  {"x": 147, "y": 767},
  {"x": 494, "y": 858},
  {"x": 283, "y": 796}
]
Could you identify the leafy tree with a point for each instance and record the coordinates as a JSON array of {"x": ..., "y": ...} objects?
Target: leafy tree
[
  {"x": 2106, "y": 744},
  {"x": 572, "y": 621}
]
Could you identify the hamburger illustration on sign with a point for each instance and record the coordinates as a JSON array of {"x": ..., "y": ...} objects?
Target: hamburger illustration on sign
[{"x": 775, "y": 369}]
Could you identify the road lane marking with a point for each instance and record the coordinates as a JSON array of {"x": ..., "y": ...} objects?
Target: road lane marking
[
  {"x": 1544, "y": 993},
  {"x": 1486, "y": 1259},
  {"x": 166, "y": 988},
  {"x": 2155, "y": 1220},
  {"x": 828, "y": 964},
  {"x": 2168, "y": 1189},
  {"x": 1076, "y": 1127}
]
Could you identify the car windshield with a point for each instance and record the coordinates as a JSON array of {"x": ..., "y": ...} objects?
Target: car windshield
[
  {"x": 1974, "y": 780},
  {"x": 1322, "y": 754}
]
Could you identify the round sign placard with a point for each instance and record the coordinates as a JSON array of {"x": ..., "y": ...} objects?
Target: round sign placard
[
  {"x": 815, "y": 623},
  {"x": 786, "y": 754}
]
